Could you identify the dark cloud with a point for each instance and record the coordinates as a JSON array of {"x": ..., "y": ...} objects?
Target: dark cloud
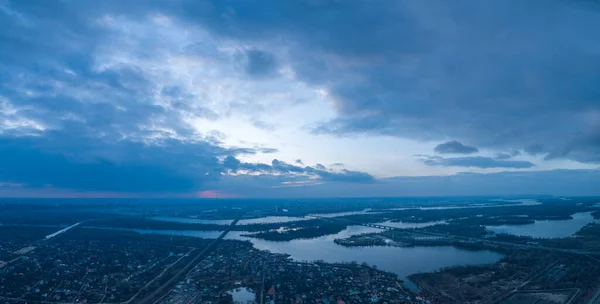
[
  {"x": 260, "y": 63},
  {"x": 299, "y": 161},
  {"x": 342, "y": 176},
  {"x": 280, "y": 168},
  {"x": 268, "y": 150},
  {"x": 71, "y": 119},
  {"x": 497, "y": 79},
  {"x": 67, "y": 160},
  {"x": 231, "y": 163},
  {"x": 283, "y": 167},
  {"x": 88, "y": 165},
  {"x": 510, "y": 155},
  {"x": 68, "y": 121},
  {"x": 401, "y": 68},
  {"x": 535, "y": 149},
  {"x": 503, "y": 156},
  {"x": 454, "y": 147},
  {"x": 475, "y": 162}
]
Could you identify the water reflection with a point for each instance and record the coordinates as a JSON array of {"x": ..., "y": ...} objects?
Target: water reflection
[
  {"x": 242, "y": 295},
  {"x": 261, "y": 220},
  {"x": 403, "y": 225},
  {"x": 190, "y": 220},
  {"x": 402, "y": 261},
  {"x": 517, "y": 202},
  {"x": 271, "y": 219},
  {"x": 193, "y": 233},
  {"x": 337, "y": 214},
  {"x": 521, "y": 202},
  {"x": 547, "y": 228}
]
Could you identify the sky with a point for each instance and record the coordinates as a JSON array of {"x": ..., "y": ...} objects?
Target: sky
[{"x": 307, "y": 98}]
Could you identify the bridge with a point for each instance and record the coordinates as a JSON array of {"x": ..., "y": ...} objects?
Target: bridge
[
  {"x": 588, "y": 254},
  {"x": 380, "y": 226}
]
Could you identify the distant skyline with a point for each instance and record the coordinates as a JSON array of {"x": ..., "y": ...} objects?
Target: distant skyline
[{"x": 198, "y": 98}]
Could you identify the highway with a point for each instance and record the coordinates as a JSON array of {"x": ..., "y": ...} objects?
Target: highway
[
  {"x": 262, "y": 284},
  {"x": 62, "y": 231},
  {"x": 166, "y": 287},
  {"x": 596, "y": 298}
]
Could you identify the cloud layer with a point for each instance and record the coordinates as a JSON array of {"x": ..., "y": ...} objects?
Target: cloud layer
[
  {"x": 129, "y": 96},
  {"x": 282, "y": 168},
  {"x": 505, "y": 75},
  {"x": 475, "y": 162},
  {"x": 99, "y": 99},
  {"x": 553, "y": 182}
]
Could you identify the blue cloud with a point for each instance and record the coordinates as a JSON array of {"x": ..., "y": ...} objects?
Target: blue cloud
[
  {"x": 320, "y": 167},
  {"x": 344, "y": 176},
  {"x": 290, "y": 171},
  {"x": 68, "y": 121},
  {"x": 86, "y": 165},
  {"x": 503, "y": 156},
  {"x": 454, "y": 147},
  {"x": 410, "y": 70},
  {"x": 260, "y": 63},
  {"x": 263, "y": 125},
  {"x": 268, "y": 150},
  {"x": 508, "y": 155},
  {"x": 554, "y": 182},
  {"x": 71, "y": 118},
  {"x": 475, "y": 162}
]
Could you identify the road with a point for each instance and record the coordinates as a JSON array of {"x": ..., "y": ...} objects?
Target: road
[
  {"x": 62, "y": 231},
  {"x": 596, "y": 298},
  {"x": 166, "y": 287},
  {"x": 262, "y": 288},
  {"x": 160, "y": 291},
  {"x": 160, "y": 275}
]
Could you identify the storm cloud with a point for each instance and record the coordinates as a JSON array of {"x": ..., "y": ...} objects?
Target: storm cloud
[
  {"x": 159, "y": 96},
  {"x": 408, "y": 69},
  {"x": 73, "y": 116}
]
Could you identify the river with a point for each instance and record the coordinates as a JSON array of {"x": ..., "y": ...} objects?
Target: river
[
  {"x": 547, "y": 228},
  {"x": 190, "y": 220},
  {"x": 260, "y": 220},
  {"x": 401, "y": 261},
  {"x": 403, "y": 225},
  {"x": 517, "y": 202},
  {"x": 338, "y": 214}
]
